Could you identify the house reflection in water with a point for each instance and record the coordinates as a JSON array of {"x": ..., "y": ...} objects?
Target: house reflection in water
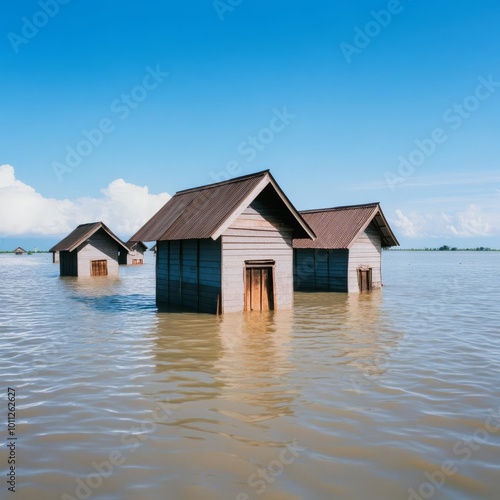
[
  {"x": 242, "y": 360},
  {"x": 255, "y": 365},
  {"x": 353, "y": 327}
]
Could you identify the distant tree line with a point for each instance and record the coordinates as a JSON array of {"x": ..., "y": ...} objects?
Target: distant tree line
[
  {"x": 29, "y": 252},
  {"x": 444, "y": 248}
]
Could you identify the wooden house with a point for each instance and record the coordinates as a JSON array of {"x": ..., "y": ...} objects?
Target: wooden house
[
  {"x": 55, "y": 257},
  {"x": 226, "y": 247},
  {"x": 346, "y": 256},
  {"x": 20, "y": 251},
  {"x": 135, "y": 254},
  {"x": 90, "y": 250}
]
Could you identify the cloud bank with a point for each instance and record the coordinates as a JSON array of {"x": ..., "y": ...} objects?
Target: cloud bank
[
  {"x": 124, "y": 207},
  {"x": 468, "y": 223}
]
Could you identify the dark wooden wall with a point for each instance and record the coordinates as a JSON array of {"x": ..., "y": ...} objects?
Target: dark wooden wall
[
  {"x": 68, "y": 263},
  {"x": 188, "y": 273},
  {"x": 319, "y": 269}
]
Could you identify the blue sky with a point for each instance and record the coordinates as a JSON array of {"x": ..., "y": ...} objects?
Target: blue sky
[{"x": 333, "y": 97}]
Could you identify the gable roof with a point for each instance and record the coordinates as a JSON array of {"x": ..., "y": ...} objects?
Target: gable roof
[
  {"x": 134, "y": 244},
  {"x": 19, "y": 250},
  {"x": 82, "y": 233},
  {"x": 339, "y": 227},
  {"x": 207, "y": 211}
]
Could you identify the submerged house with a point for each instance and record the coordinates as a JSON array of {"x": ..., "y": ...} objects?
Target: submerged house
[
  {"x": 90, "y": 250},
  {"x": 226, "y": 247},
  {"x": 346, "y": 256},
  {"x": 20, "y": 251},
  {"x": 135, "y": 254}
]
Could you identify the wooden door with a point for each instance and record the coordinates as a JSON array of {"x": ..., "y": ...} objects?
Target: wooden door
[
  {"x": 365, "y": 279},
  {"x": 259, "y": 295},
  {"x": 99, "y": 268}
]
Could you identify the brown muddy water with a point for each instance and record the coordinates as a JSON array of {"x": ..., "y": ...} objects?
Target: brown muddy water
[{"x": 387, "y": 395}]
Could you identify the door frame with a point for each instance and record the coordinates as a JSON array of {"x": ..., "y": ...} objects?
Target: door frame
[
  {"x": 369, "y": 272},
  {"x": 259, "y": 264}
]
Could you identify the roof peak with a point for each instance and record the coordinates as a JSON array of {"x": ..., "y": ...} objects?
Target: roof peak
[
  {"x": 228, "y": 181},
  {"x": 90, "y": 224}
]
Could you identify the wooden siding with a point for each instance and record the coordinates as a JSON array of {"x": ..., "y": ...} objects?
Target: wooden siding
[
  {"x": 257, "y": 234},
  {"x": 99, "y": 247},
  {"x": 366, "y": 252},
  {"x": 319, "y": 269},
  {"x": 188, "y": 273},
  {"x": 133, "y": 256}
]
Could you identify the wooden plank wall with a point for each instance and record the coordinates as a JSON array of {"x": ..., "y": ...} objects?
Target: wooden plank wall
[
  {"x": 188, "y": 273},
  {"x": 257, "y": 234},
  {"x": 319, "y": 269},
  {"x": 99, "y": 247},
  {"x": 134, "y": 254},
  {"x": 68, "y": 263},
  {"x": 366, "y": 251}
]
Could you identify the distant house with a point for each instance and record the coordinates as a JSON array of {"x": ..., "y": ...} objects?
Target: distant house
[
  {"x": 20, "y": 251},
  {"x": 346, "y": 256},
  {"x": 135, "y": 254},
  {"x": 226, "y": 247},
  {"x": 90, "y": 250}
]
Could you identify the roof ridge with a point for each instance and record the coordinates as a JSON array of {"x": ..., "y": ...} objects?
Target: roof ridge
[
  {"x": 228, "y": 181},
  {"x": 343, "y": 207}
]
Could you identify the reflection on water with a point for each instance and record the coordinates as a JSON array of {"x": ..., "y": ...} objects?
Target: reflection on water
[
  {"x": 255, "y": 363},
  {"x": 373, "y": 391}
]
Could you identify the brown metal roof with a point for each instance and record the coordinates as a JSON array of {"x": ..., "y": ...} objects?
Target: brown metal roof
[
  {"x": 134, "y": 244},
  {"x": 205, "y": 211},
  {"x": 338, "y": 227},
  {"x": 82, "y": 233}
]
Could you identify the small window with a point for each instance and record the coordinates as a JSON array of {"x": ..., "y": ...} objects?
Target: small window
[
  {"x": 99, "y": 268},
  {"x": 137, "y": 262}
]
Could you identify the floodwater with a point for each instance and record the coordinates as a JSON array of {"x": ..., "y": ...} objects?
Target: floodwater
[{"x": 386, "y": 395}]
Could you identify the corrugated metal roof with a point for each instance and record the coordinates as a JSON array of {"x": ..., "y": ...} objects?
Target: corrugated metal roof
[
  {"x": 134, "y": 244},
  {"x": 338, "y": 227},
  {"x": 201, "y": 212},
  {"x": 82, "y": 233}
]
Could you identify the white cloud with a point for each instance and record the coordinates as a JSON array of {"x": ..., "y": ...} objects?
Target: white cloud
[
  {"x": 405, "y": 225},
  {"x": 471, "y": 222},
  {"x": 124, "y": 207}
]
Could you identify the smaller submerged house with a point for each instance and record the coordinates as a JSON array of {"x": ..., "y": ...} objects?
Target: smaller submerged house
[
  {"x": 90, "y": 250},
  {"x": 135, "y": 254},
  {"x": 346, "y": 256},
  {"x": 226, "y": 247},
  {"x": 20, "y": 251}
]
